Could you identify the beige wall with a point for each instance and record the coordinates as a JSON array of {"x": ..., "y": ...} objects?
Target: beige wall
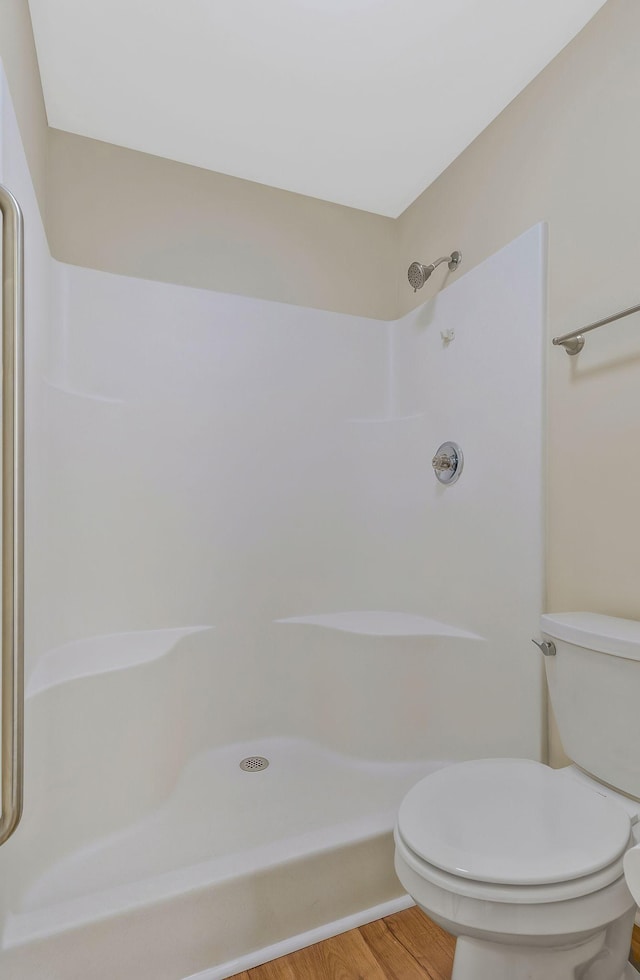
[
  {"x": 140, "y": 215},
  {"x": 18, "y": 54},
  {"x": 128, "y": 212},
  {"x": 567, "y": 151}
]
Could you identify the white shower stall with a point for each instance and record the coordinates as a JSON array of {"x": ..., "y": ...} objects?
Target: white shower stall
[{"x": 236, "y": 547}]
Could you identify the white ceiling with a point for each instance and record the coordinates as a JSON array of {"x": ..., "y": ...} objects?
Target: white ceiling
[{"x": 361, "y": 102}]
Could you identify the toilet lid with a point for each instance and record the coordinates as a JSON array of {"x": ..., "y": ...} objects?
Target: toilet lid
[{"x": 512, "y": 821}]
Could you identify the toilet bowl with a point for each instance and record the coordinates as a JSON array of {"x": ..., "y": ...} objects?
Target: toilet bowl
[{"x": 524, "y": 863}]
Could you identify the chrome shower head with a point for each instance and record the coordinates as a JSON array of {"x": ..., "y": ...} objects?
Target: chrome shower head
[{"x": 419, "y": 273}]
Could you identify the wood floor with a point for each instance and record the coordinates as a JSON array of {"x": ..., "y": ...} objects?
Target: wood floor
[
  {"x": 635, "y": 947},
  {"x": 405, "y": 946}
]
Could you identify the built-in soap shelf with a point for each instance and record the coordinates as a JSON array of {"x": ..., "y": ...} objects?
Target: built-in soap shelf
[
  {"x": 378, "y": 623},
  {"x": 94, "y": 655}
]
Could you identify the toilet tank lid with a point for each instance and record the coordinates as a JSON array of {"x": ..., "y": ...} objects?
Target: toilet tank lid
[{"x": 605, "y": 634}]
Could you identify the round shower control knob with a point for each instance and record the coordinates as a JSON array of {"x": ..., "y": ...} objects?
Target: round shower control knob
[{"x": 448, "y": 462}]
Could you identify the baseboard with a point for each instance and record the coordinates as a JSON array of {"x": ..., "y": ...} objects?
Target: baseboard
[{"x": 260, "y": 956}]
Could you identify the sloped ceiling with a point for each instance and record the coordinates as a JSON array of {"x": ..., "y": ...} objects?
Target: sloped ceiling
[{"x": 360, "y": 102}]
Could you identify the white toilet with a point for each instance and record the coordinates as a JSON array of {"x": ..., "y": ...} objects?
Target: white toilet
[{"x": 524, "y": 863}]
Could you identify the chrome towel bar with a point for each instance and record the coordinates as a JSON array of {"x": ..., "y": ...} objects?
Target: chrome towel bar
[
  {"x": 12, "y": 642},
  {"x": 574, "y": 342}
]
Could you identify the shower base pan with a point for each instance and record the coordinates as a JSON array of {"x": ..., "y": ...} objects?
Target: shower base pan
[{"x": 234, "y": 862}]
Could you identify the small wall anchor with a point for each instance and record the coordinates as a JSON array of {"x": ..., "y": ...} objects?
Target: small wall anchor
[{"x": 447, "y": 336}]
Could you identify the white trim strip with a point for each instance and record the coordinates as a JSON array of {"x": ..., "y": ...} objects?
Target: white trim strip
[{"x": 260, "y": 956}]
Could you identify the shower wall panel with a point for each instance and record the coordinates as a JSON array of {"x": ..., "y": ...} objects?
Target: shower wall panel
[
  {"x": 199, "y": 454},
  {"x": 470, "y": 367},
  {"x": 224, "y": 463},
  {"x": 215, "y": 464}
]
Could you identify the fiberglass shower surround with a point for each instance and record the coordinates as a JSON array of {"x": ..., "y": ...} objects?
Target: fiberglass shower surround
[{"x": 236, "y": 546}]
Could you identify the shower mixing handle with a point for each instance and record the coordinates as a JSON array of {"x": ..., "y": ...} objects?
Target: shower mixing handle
[
  {"x": 447, "y": 462},
  {"x": 442, "y": 462}
]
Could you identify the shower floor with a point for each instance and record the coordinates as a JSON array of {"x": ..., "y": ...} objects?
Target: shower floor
[{"x": 220, "y": 823}]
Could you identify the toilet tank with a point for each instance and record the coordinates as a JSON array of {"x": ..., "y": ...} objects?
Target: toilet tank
[{"x": 594, "y": 683}]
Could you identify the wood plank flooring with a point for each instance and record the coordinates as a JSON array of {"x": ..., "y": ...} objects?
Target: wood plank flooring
[
  {"x": 635, "y": 947},
  {"x": 404, "y": 946}
]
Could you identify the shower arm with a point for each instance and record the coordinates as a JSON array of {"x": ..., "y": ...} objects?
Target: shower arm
[{"x": 443, "y": 258}]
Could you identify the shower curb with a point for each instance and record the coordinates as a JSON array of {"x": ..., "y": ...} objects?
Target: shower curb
[{"x": 303, "y": 939}]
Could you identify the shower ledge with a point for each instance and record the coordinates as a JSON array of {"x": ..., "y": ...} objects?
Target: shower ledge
[
  {"x": 93, "y": 655},
  {"x": 377, "y": 623}
]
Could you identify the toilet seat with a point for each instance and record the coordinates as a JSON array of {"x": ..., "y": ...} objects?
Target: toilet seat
[
  {"x": 512, "y": 824},
  {"x": 546, "y": 894}
]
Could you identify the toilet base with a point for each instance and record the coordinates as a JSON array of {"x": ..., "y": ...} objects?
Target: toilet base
[{"x": 601, "y": 957}]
